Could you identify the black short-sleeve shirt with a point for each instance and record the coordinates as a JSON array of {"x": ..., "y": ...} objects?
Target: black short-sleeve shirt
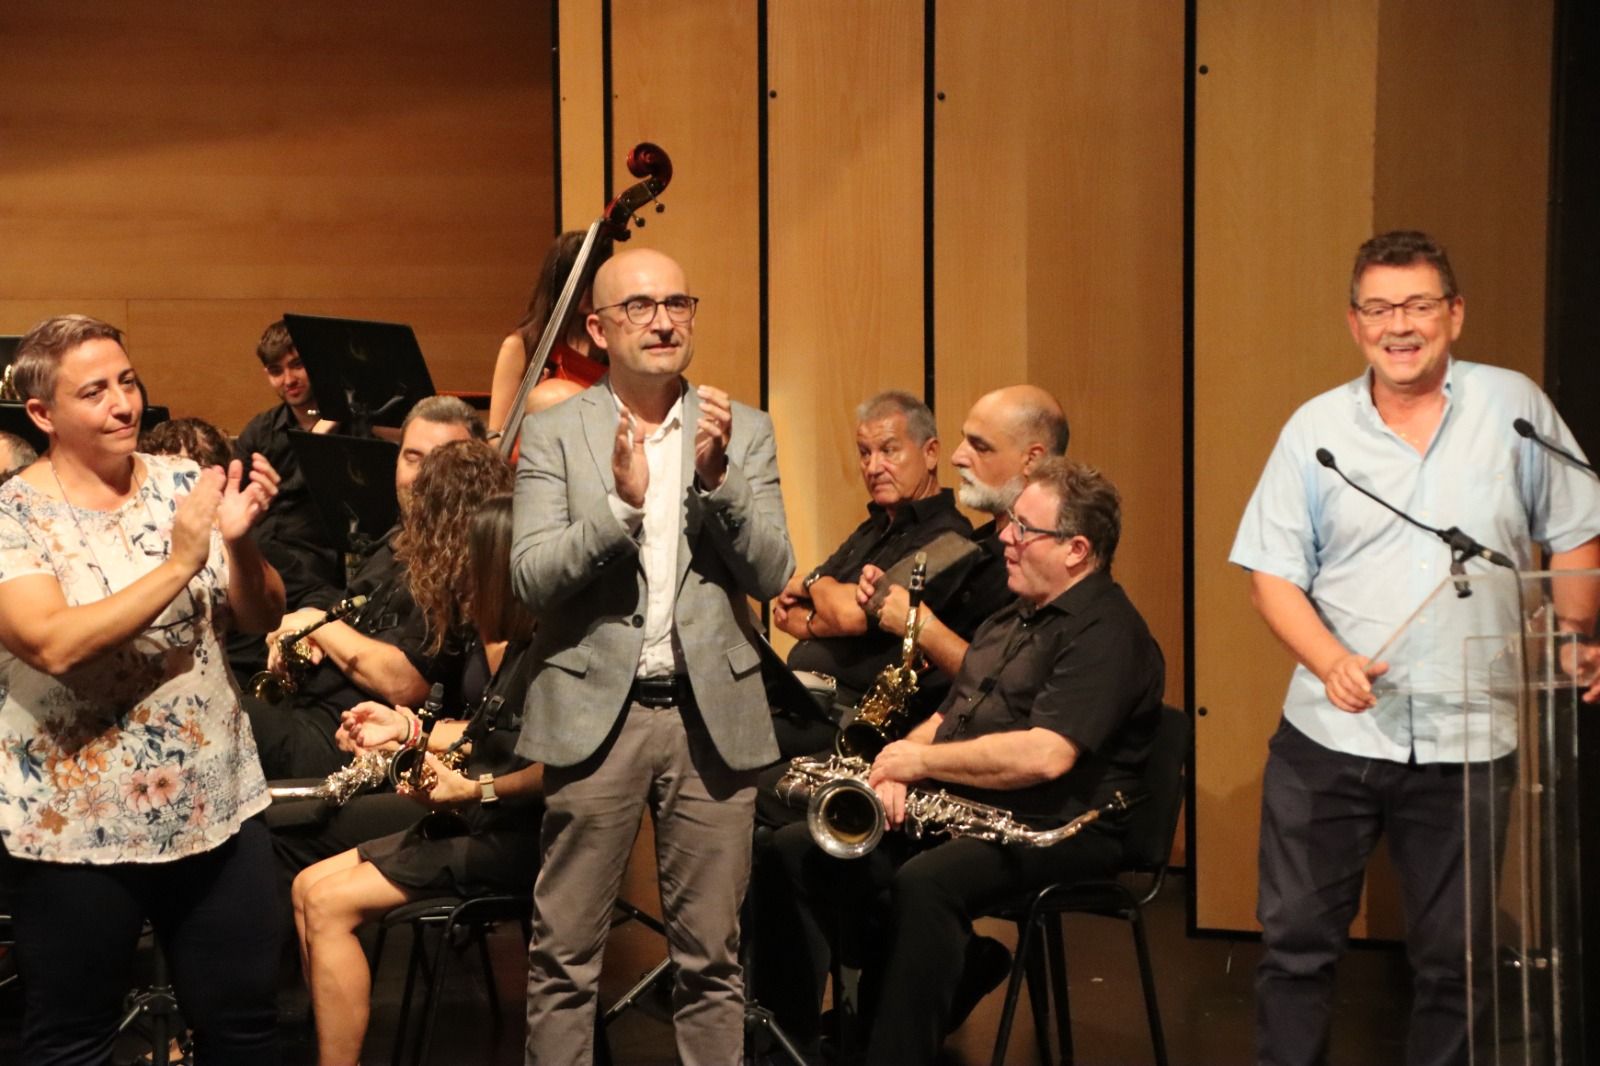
[
  {"x": 855, "y": 661},
  {"x": 391, "y": 616},
  {"x": 1083, "y": 665}
]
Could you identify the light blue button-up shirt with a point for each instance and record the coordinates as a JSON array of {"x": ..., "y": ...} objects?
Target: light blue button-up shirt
[{"x": 1367, "y": 571}]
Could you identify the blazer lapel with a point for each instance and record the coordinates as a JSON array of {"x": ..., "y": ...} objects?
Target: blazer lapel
[
  {"x": 599, "y": 417},
  {"x": 691, "y": 508}
]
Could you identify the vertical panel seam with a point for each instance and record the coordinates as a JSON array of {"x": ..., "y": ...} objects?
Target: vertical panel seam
[
  {"x": 606, "y": 94},
  {"x": 555, "y": 108},
  {"x": 1190, "y": 64},
  {"x": 929, "y": 382},
  {"x": 762, "y": 208}
]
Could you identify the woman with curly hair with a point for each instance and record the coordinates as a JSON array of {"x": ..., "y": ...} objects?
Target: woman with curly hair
[
  {"x": 482, "y": 834},
  {"x": 452, "y": 484}
]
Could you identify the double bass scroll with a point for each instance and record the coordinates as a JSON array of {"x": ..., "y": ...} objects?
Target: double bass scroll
[{"x": 647, "y": 162}]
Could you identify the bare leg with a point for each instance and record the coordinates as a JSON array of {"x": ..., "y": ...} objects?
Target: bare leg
[
  {"x": 302, "y": 888},
  {"x": 338, "y": 974}
]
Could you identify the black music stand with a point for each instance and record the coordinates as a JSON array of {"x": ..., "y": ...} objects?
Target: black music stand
[
  {"x": 363, "y": 374},
  {"x": 351, "y": 480}
]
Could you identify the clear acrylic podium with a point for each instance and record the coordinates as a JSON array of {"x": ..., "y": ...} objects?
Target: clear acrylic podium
[{"x": 1485, "y": 671}]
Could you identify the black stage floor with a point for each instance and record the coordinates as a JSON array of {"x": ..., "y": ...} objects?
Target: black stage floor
[{"x": 1204, "y": 986}]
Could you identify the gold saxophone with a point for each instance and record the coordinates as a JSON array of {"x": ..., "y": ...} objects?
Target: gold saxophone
[
  {"x": 278, "y": 686},
  {"x": 882, "y": 716},
  {"x": 847, "y": 820}
]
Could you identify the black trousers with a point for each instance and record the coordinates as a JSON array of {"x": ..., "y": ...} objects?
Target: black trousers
[
  {"x": 1322, "y": 813},
  {"x": 77, "y": 929},
  {"x": 294, "y": 741},
  {"x": 904, "y": 914}
]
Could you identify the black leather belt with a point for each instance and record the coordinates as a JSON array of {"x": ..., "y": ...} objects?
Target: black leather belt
[{"x": 671, "y": 691}]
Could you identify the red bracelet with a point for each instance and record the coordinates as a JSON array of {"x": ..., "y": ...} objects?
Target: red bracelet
[{"x": 416, "y": 732}]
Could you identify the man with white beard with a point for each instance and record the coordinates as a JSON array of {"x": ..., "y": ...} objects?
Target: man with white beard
[{"x": 1005, "y": 433}]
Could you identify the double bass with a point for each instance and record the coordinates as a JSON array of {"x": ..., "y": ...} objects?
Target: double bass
[{"x": 654, "y": 169}]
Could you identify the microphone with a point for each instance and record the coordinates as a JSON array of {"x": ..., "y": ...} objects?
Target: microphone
[
  {"x": 1525, "y": 428},
  {"x": 1462, "y": 546}
]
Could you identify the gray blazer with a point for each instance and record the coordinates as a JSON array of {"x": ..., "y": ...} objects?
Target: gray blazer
[{"x": 576, "y": 566}]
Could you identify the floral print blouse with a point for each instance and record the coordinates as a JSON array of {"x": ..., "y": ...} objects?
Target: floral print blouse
[{"x": 142, "y": 754}]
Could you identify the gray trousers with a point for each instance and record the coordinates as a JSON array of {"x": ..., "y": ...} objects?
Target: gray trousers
[
  {"x": 663, "y": 760},
  {"x": 1322, "y": 813}
]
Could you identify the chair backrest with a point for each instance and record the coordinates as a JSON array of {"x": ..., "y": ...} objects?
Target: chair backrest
[{"x": 1152, "y": 824}]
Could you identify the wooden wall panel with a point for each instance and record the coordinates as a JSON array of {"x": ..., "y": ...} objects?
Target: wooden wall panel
[
  {"x": 583, "y": 140},
  {"x": 1283, "y": 195},
  {"x": 981, "y": 193},
  {"x": 845, "y": 270},
  {"x": 1046, "y": 167},
  {"x": 284, "y": 153},
  {"x": 1105, "y": 273},
  {"x": 707, "y": 124},
  {"x": 1463, "y": 153}
]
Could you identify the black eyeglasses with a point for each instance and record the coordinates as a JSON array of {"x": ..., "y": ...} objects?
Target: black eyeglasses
[
  {"x": 641, "y": 310},
  {"x": 1031, "y": 531}
]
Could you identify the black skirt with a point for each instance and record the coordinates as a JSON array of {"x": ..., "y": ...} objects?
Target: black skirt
[{"x": 449, "y": 854}]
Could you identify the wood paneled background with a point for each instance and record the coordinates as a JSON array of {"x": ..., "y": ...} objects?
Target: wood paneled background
[
  {"x": 190, "y": 172},
  {"x": 938, "y": 195}
]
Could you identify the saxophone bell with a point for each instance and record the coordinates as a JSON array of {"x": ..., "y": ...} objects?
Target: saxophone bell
[
  {"x": 294, "y": 659},
  {"x": 846, "y": 818}
]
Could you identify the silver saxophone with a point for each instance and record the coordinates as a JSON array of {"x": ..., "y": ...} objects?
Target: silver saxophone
[
  {"x": 367, "y": 770},
  {"x": 847, "y": 820}
]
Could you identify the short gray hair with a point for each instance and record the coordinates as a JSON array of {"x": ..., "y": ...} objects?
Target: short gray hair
[
  {"x": 919, "y": 418},
  {"x": 449, "y": 411}
]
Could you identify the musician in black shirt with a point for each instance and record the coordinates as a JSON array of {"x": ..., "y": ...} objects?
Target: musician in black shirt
[{"x": 1054, "y": 708}]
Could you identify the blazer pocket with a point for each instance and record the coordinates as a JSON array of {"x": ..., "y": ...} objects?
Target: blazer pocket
[
  {"x": 573, "y": 660},
  {"x": 743, "y": 659}
]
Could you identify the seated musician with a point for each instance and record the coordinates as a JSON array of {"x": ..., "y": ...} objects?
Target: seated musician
[
  {"x": 293, "y": 529},
  {"x": 385, "y": 650},
  {"x": 1053, "y": 710},
  {"x": 898, "y": 447},
  {"x": 574, "y": 363},
  {"x": 1004, "y": 434},
  {"x": 483, "y": 834}
]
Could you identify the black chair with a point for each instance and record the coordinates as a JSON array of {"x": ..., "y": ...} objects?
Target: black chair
[
  {"x": 1146, "y": 849},
  {"x": 449, "y": 918}
]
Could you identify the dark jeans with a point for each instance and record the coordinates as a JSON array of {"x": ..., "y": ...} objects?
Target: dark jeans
[
  {"x": 904, "y": 914},
  {"x": 77, "y": 929},
  {"x": 1322, "y": 812}
]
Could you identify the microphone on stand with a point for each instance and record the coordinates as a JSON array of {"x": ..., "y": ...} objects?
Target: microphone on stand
[
  {"x": 1525, "y": 428},
  {"x": 1462, "y": 546}
]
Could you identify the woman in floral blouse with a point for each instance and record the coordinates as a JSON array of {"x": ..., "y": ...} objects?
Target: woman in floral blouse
[{"x": 128, "y": 776}]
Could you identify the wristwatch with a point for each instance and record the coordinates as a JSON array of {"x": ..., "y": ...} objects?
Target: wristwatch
[
  {"x": 810, "y": 579},
  {"x": 486, "y": 783}
]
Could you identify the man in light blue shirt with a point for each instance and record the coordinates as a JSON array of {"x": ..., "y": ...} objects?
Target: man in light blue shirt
[{"x": 1334, "y": 574}]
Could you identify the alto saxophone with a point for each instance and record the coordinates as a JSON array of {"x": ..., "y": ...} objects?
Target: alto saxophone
[
  {"x": 277, "y": 686},
  {"x": 882, "y": 716},
  {"x": 847, "y": 820},
  {"x": 409, "y": 771}
]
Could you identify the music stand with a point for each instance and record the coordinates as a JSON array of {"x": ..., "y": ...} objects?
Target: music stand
[
  {"x": 351, "y": 479},
  {"x": 8, "y": 349},
  {"x": 363, "y": 374}
]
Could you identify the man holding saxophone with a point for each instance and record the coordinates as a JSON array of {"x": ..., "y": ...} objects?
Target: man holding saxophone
[{"x": 1052, "y": 713}]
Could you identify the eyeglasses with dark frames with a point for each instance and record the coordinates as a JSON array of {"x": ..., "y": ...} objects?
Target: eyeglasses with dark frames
[{"x": 641, "y": 310}]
